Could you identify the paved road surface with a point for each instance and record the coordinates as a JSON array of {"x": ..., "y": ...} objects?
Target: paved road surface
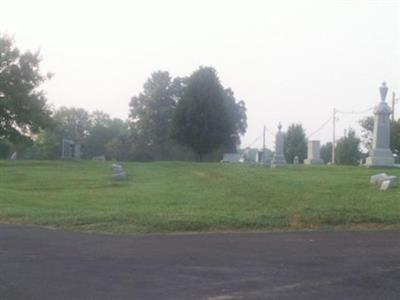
[{"x": 38, "y": 263}]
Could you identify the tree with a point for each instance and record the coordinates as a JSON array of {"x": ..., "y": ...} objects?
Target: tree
[
  {"x": 326, "y": 152},
  {"x": 367, "y": 125},
  {"x": 23, "y": 107},
  {"x": 347, "y": 149},
  {"x": 67, "y": 123},
  {"x": 102, "y": 130},
  {"x": 207, "y": 116},
  {"x": 295, "y": 143},
  {"x": 151, "y": 113}
]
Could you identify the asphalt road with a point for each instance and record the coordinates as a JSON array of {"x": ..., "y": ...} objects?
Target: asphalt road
[{"x": 37, "y": 263}]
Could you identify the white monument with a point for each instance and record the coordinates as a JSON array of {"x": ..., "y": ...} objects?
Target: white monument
[
  {"x": 279, "y": 159},
  {"x": 313, "y": 154},
  {"x": 380, "y": 155}
]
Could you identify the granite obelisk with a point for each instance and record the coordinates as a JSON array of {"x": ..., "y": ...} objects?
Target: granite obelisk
[
  {"x": 279, "y": 159},
  {"x": 381, "y": 155}
]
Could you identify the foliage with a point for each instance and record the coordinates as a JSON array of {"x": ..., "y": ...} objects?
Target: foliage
[
  {"x": 151, "y": 114},
  {"x": 207, "y": 116},
  {"x": 367, "y": 130},
  {"x": 170, "y": 196},
  {"x": 93, "y": 131},
  {"x": 326, "y": 152},
  {"x": 347, "y": 149},
  {"x": 295, "y": 143},
  {"x": 23, "y": 108}
]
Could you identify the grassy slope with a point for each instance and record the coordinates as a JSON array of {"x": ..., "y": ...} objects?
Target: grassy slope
[{"x": 175, "y": 196}]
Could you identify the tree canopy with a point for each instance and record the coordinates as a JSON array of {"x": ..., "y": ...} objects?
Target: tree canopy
[
  {"x": 23, "y": 107},
  {"x": 151, "y": 114},
  {"x": 208, "y": 116},
  {"x": 295, "y": 143},
  {"x": 347, "y": 149}
]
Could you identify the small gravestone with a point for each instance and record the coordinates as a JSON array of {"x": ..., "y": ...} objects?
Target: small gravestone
[
  {"x": 118, "y": 172},
  {"x": 389, "y": 183},
  {"x": 296, "y": 160},
  {"x": 14, "y": 156},
  {"x": 378, "y": 178}
]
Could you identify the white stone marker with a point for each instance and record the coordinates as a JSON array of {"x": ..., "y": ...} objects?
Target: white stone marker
[
  {"x": 313, "y": 154},
  {"x": 279, "y": 159},
  {"x": 380, "y": 155}
]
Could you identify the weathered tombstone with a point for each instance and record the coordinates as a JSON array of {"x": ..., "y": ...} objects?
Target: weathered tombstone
[
  {"x": 378, "y": 178},
  {"x": 296, "y": 160},
  {"x": 389, "y": 183},
  {"x": 118, "y": 172},
  {"x": 279, "y": 159},
  {"x": 232, "y": 158},
  {"x": 313, "y": 154},
  {"x": 70, "y": 149},
  {"x": 13, "y": 156},
  {"x": 380, "y": 155}
]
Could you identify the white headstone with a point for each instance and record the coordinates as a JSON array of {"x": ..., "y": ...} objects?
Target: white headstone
[
  {"x": 313, "y": 154},
  {"x": 118, "y": 172},
  {"x": 389, "y": 183}
]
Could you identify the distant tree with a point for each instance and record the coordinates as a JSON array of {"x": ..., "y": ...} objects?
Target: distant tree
[
  {"x": 326, "y": 152},
  {"x": 103, "y": 130},
  {"x": 207, "y": 116},
  {"x": 151, "y": 114},
  {"x": 367, "y": 125},
  {"x": 6, "y": 148},
  {"x": 347, "y": 149},
  {"x": 295, "y": 143},
  {"x": 236, "y": 119},
  {"x": 23, "y": 108},
  {"x": 367, "y": 129}
]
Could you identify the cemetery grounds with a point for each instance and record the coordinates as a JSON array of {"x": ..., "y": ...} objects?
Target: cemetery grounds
[{"x": 194, "y": 197}]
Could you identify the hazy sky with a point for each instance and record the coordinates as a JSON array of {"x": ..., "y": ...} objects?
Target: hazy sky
[{"x": 290, "y": 61}]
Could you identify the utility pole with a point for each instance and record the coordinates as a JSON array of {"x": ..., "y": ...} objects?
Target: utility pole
[
  {"x": 264, "y": 148},
  {"x": 333, "y": 135}
]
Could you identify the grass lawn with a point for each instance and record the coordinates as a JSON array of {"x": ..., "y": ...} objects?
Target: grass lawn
[{"x": 178, "y": 196}]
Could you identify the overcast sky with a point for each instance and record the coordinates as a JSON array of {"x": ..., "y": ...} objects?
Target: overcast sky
[{"x": 290, "y": 61}]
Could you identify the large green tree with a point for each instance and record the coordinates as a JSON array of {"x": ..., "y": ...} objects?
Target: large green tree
[
  {"x": 295, "y": 143},
  {"x": 23, "y": 107},
  {"x": 103, "y": 129},
  {"x": 208, "y": 116},
  {"x": 151, "y": 114},
  {"x": 347, "y": 150}
]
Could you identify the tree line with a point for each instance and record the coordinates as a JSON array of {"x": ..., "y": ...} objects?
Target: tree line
[{"x": 182, "y": 118}]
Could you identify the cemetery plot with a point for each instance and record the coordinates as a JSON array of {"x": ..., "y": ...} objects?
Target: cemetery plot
[{"x": 173, "y": 196}]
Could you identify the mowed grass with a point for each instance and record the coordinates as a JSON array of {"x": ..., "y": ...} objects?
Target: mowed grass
[{"x": 177, "y": 196}]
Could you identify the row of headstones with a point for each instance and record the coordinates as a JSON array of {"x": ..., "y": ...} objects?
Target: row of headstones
[
  {"x": 379, "y": 156},
  {"x": 313, "y": 152}
]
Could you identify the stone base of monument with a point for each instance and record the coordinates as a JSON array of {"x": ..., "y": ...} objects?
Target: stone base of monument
[
  {"x": 278, "y": 161},
  {"x": 313, "y": 162},
  {"x": 380, "y": 158}
]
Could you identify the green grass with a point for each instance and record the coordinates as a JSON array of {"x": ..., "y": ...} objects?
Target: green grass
[{"x": 175, "y": 196}]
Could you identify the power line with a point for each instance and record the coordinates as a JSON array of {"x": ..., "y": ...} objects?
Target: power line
[
  {"x": 355, "y": 112},
  {"x": 319, "y": 128}
]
